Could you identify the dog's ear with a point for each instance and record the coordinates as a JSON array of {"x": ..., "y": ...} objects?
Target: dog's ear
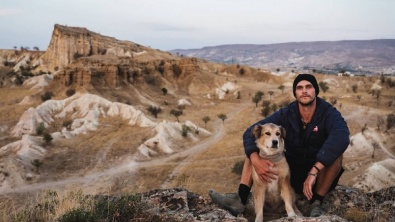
[
  {"x": 256, "y": 131},
  {"x": 283, "y": 133}
]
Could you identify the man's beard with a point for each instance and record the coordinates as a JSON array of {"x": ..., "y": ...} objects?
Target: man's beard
[{"x": 308, "y": 103}]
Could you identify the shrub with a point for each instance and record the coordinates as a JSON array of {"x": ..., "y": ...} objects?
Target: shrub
[
  {"x": 238, "y": 167},
  {"x": 390, "y": 120},
  {"x": 40, "y": 129},
  {"x": 324, "y": 86},
  {"x": 154, "y": 110},
  {"x": 181, "y": 107},
  {"x": 37, "y": 163},
  {"x": 265, "y": 111},
  {"x": 354, "y": 88},
  {"x": 242, "y": 71},
  {"x": 67, "y": 124},
  {"x": 46, "y": 96},
  {"x": 164, "y": 91},
  {"x": 78, "y": 215},
  {"x": 77, "y": 55},
  {"x": 70, "y": 92},
  {"x": 176, "y": 113},
  {"x": 161, "y": 69},
  {"x": 47, "y": 138},
  {"x": 185, "y": 130}
]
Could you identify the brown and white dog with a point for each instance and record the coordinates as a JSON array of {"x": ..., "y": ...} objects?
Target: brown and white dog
[{"x": 270, "y": 141}]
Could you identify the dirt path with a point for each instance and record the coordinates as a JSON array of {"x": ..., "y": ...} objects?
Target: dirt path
[{"x": 133, "y": 166}]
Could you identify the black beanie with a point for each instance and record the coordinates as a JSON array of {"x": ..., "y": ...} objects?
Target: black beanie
[{"x": 307, "y": 77}]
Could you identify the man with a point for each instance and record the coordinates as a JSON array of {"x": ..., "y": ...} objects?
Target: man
[{"x": 316, "y": 138}]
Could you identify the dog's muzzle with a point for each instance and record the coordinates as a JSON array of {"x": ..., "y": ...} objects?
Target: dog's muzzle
[{"x": 274, "y": 144}]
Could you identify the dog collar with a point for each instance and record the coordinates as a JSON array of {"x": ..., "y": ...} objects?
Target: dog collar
[{"x": 274, "y": 158}]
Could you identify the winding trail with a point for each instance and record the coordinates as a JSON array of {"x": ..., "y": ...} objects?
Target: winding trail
[{"x": 133, "y": 166}]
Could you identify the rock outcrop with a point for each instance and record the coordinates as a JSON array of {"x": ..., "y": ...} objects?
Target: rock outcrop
[
  {"x": 342, "y": 204},
  {"x": 69, "y": 43}
]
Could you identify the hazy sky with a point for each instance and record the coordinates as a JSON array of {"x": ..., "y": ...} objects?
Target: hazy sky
[{"x": 185, "y": 24}]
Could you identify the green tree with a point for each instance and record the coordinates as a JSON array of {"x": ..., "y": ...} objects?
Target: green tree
[
  {"x": 278, "y": 69},
  {"x": 265, "y": 111},
  {"x": 40, "y": 129},
  {"x": 256, "y": 100},
  {"x": 176, "y": 113},
  {"x": 154, "y": 110},
  {"x": 390, "y": 121},
  {"x": 205, "y": 120},
  {"x": 324, "y": 86},
  {"x": 242, "y": 71},
  {"x": 354, "y": 88},
  {"x": 281, "y": 87},
  {"x": 47, "y": 138},
  {"x": 223, "y": 117},
  {"x": 37, "y": 163},
  {"x": 270, "y": 94},
  {"x": 185, "y": 130},
  {"x": 164, "y": 91},
  {"x": 46, "y": 96}
]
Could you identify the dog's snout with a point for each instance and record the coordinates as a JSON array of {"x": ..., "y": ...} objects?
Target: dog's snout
[{"x": 275, "y": 143}]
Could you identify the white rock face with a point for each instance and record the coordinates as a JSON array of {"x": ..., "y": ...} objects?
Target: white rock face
[
  {"x": 38, "y": 81},
  {"x": 184, "y": 102},
  {"x": 378, "y": 176},
  {"x": 85, "y": 109},
  {"x": 221, "y": 91},
  {"x": 167, "y": 135}
]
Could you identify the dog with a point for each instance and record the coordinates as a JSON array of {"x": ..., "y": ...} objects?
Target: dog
[{"x": 270, "y": 141}]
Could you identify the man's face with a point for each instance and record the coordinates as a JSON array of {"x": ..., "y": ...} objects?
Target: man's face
[{"x": 305, "y": 93}]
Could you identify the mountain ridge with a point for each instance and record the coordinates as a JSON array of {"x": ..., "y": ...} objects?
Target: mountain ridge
[{"x": 359, "y": 56}]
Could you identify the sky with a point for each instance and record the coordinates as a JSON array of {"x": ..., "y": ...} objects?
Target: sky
[{"x": 188, "y": 24}]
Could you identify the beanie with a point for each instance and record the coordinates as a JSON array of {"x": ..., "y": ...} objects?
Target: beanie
[{"x": 307, "y": 77}]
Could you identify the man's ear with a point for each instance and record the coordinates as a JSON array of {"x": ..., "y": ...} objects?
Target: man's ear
[
  {"x": 283, "y": 133},
  {"x": 256, "y": 131}
]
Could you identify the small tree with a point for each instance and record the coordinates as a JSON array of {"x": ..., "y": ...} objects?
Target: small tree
[
  {"x": 270, "y": 94},
  {"x": 333, "y": 101},
  {"x": 380, "y": 121},
  {"x": 390, "y": 121},
  {"x": 37, "y": 163},
  {"x": 47, "y": 138},
  {"x": 164, "y": 91},
  {"x": 70, "y": 92},
  {"x": 238, "y": 167},
  {"x": 67, "y": 124},
  {"x": 354, "y": 88},
  {"x": 205, "y": 120},
  {"x": 36, "y": 48},
  {"x": 265, "y": 111},
  {"x": 278, "y": 69},
  {"x": 359, "y": 97},
  {"x": 176, "y": 113},
  {"x": 185, "y": 130},
  {"x": 256, "y": 99},
  {"x": 375, "y": 146},
  {"x": 46, "y": 96},
  {"x": 378, "y": 93},
  {"x": 242, "y": 71},
  {"x": 223, "y": 117},
  {"x": 281, "y": 87},
  {"x": 40, "y": 129},
  {"x": 274, "y": 107},
  {"x": 324, "y": 86},
  {"x": 154, "y": 110}
]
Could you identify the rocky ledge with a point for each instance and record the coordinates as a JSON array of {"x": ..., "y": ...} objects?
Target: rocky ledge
[{"x": 342, "y": 204}]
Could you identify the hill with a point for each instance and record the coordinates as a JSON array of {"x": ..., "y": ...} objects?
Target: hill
[
  {"x": 357, "y": 56},
  {"x": 78, "y": 117}
]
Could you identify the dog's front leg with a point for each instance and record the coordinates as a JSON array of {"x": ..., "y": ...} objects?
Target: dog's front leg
[
  {"x": 288, "y": 197},
  {"x": 259, "y": 201}
]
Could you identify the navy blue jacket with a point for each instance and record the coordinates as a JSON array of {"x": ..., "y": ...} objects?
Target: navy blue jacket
[{"x": 327, "y": 133}]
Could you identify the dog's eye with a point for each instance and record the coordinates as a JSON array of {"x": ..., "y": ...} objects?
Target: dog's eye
[
  {"x": 277, "y": 134},
  {"x": 267, "y": 133}
]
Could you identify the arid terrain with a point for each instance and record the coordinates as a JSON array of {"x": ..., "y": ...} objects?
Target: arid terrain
[{"x": 92, "y": 94}]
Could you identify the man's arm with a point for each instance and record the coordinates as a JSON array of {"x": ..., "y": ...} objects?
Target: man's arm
[{"x": 337, "y": 141}]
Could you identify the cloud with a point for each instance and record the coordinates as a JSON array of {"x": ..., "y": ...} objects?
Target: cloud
[{"x": 8, "y": 12}]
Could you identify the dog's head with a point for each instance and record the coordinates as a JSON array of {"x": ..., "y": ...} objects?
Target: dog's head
[{"x": 269, "y": 138}]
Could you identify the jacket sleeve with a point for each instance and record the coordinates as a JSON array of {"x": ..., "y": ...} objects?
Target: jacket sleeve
[
  {"x": 249, "y": 140},
  {"x": 338, "y": 138}
]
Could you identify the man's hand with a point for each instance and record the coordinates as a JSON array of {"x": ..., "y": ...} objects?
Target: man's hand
[
  {"x": 308, "y": 186},
  {"x": 264, "y": 168}
]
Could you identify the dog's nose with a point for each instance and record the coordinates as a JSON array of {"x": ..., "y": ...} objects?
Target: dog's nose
[{"x": 275, "y": 143}]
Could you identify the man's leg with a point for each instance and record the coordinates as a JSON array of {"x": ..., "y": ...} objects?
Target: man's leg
[
  {"x": 235, "y": 202},
  {"x": 327, "y": 175},
  {"x": 325, "y": 181}
]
